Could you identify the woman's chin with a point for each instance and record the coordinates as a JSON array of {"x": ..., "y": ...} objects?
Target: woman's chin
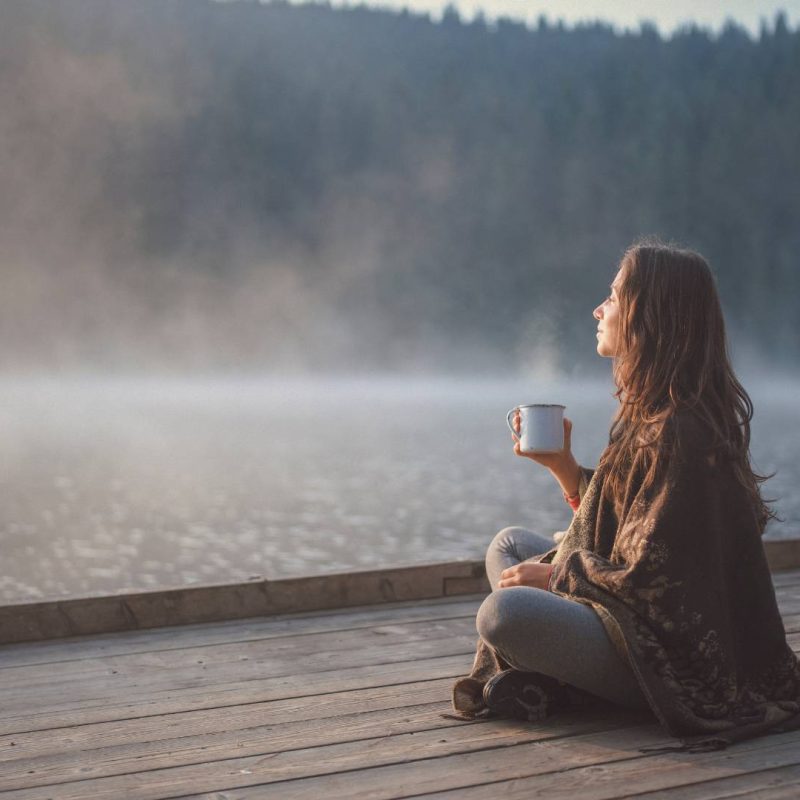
[{"x": 602, "y": 350}]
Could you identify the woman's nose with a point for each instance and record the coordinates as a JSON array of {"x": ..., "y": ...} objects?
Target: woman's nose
[{"x": 598, "y": 312}]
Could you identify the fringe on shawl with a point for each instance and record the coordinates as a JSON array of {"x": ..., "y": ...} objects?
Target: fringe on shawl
[{"x": 705, "y": 743}]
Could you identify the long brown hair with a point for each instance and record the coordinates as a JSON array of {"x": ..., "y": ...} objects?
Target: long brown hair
[{"x": 672, "y": 356}]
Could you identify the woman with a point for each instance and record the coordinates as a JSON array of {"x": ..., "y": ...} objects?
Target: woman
[{"x": 659, "y": 595}]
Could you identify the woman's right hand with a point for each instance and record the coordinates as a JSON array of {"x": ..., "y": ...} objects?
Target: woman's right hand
[{"x": 562, "y": 463}]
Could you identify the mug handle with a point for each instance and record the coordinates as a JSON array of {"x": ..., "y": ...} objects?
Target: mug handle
[{"x": 508, "y": 420}]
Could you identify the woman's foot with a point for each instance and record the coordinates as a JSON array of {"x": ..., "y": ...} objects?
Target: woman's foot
[
  {"x": 523, "y": 695},
  {"x": 531, "y": 696}
]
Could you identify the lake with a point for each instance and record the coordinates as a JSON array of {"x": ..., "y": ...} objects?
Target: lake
[{"x": 124, "y": 484}]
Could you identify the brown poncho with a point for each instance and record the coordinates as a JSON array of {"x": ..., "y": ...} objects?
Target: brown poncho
[{"x": 679, "y": 578}]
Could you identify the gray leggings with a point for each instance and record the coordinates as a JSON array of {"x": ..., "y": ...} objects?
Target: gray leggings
[{"x": 537, "y": 631}]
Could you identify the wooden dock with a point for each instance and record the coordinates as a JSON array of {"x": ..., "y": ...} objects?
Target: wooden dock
[{"x": 336, "y": 703}]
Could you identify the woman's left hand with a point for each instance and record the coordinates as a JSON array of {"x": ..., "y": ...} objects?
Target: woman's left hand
[{"x": 526, "y": 573}]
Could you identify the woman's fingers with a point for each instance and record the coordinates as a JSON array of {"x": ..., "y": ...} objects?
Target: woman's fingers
[
  {"x": 508, "y": 571},
  {"x": 567, "y": 434},
  {"x": 525, "y": 573},
  {"x": 507, "y": 577}
]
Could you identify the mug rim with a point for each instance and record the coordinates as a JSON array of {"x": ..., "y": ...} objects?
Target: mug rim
[{"x": 541, "y": 405}]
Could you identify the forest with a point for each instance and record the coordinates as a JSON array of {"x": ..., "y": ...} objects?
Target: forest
[{"x": 189, "y": 184}]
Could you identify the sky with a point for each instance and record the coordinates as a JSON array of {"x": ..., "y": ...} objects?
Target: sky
[{"x": 666, "y": 14}]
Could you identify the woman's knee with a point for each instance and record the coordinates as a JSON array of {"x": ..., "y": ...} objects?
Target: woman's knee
[
  {"x": 504, "y": 541},
  {"x": 507, "y": 614}
]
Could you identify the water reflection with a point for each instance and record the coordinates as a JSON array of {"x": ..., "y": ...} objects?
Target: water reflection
[{"x": 113, "y": 485}]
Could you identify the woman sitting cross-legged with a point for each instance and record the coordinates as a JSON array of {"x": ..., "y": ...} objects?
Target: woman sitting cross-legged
[{"x": 659, "y": 595}]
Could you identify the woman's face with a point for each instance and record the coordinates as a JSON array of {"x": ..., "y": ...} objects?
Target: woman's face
[{"x": 607, "y": 316}]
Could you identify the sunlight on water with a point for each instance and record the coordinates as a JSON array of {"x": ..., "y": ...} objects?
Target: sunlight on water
[{"x": 125, "y": 484}]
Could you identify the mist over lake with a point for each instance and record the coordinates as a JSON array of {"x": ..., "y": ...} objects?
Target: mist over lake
[{"x": 115, "y": 484}]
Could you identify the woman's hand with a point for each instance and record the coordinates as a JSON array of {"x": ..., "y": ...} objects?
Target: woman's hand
[
  {"x": 562, "y": 463},
  {"x": 549, "y": 460},
  {"x": 526, "y": 573}
]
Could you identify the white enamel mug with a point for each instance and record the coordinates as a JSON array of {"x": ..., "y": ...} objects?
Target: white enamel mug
[{"x": 541, "y": 427}]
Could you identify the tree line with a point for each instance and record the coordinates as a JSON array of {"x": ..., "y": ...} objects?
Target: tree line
[{"x": 257, "y": 184}]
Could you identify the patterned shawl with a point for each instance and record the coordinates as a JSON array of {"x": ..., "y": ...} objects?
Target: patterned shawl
[{"x": 679, "y": 578}]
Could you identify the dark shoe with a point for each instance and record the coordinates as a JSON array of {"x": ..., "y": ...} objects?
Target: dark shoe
[
  {"x": 520, "y": 695},
  {"x": 531, "y": 696}
]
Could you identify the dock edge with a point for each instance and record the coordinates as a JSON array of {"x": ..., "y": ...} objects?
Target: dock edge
[{"x": 77, "y": 616}]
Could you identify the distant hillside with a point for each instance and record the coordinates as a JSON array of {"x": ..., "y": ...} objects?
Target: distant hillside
[{"x": 233, "y": 184}]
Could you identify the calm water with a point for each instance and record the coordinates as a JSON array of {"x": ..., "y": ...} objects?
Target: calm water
[{"x": 114, "y": 485}]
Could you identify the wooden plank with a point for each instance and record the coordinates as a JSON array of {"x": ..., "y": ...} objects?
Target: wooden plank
[
  {"x": 171, "y": 638},
  {"x": 20, "y": 703},
  {"x": 598, "y": 766},
  {"x": 791, "y": 791},
  {"x": 145, "y": 679},
  {"x": 782, "y": 553},
  {"x": 788, "y": 607},
  {"x": 48, "y": 619},
  {"x": 643, "y": 774},
  {"x": 244, "y": 657},
  {"x": 786, "y": 577},
  {"x": 791, "y": 623},
  {"x": 789, "y": 574},
  {"x": 93, "y": 678},
  {"x": 765, "y": 784},
  {"x": 788, "y": 593},
  {"x": 70, "y": 713},
  {"x": 328, "y": 763},
  {"x": 319, "y": 709},
  {"x": 103, "y": 760},
  {"x": 160, "y": 682}
]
